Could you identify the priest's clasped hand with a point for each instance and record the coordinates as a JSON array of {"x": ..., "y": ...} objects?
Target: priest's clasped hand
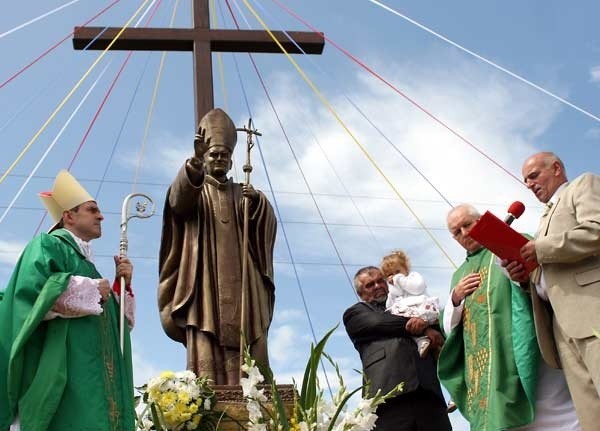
[{"x": 466, "y": 286}]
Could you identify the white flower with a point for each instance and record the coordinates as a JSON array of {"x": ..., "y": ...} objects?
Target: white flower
[{"x": 146, "y": 424}]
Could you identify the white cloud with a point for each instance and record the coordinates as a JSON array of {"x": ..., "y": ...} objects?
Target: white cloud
[
  {"x": 595, "y": 74},
  {"x": 143, "y": 369},
  {"x": 502, "y": 118},
  {"x": 164, "y": 155},
  {"x": 10, "y": 251},
  {"x": 285, "y": 315},
  {"x": 286, "y": 344}
]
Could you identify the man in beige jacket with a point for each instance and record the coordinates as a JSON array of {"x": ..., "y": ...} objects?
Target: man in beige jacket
[{"x": 566, "y": 286}]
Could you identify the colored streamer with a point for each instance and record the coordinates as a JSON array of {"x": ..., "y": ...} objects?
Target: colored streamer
[
  {"x": 485, "y": 60},
  {"x": 413, "y": 102},
  {"x": 341, "y": 122},
  {"x": 151, "y": 108},
  {"x": 31, "y": 21},
  {"x": 69, "y": 95},
  {"x": 43, "y": 54},
  {"x": 112, "y": 86},
  {"x": 51, "y": 146}
]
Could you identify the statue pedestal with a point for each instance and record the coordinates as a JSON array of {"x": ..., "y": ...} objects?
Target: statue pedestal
[{"x": 230, "y": 399}]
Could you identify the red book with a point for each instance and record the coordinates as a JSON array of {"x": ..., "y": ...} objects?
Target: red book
[{"x": 500, "y": 239}]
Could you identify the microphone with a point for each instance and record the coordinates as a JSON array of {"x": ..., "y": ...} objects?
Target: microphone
[{"x": 515, "y": 210}]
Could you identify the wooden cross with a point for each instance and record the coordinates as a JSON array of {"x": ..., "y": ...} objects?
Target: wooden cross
[{"x": 202, "y": 41}]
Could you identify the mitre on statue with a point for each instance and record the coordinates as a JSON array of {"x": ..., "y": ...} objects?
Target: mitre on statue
[{"x": 219, "y": 129}]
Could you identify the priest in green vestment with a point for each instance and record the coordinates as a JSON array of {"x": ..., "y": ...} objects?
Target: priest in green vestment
[
  {"x": 489, "y": 362},
  {"x": 61, "y": 368}
]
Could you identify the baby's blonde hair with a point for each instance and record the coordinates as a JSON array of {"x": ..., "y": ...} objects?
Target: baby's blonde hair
[{"x": 395, "y": 262}]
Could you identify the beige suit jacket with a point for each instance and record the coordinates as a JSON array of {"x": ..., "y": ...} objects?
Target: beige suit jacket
[{"x": 568, "y": 249}]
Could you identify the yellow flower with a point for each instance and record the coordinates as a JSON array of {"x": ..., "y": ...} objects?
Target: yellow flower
[
  {"x": 193, "y": 408},
  {"x": 180, "y": 408},
  {"x": 294, "y": 425},
  {"x": 167, "y": 375},
  {"x": 166, "y": 400},
  {"x": 183, "y": 396},
  {"x": 196, "y": 420},
  {"x": 154, "y": 393},
  {"x": 170, "y": 419}
]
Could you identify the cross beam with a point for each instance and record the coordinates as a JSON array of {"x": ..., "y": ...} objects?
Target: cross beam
[
  {"x": 202, "y": 41},
  {"x": 167, "y": 39}
]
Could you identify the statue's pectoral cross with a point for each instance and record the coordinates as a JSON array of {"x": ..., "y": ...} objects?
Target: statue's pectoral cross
[{"x": 202, "y": 41}]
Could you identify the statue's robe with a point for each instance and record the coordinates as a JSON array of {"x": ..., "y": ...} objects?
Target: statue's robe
[
  {"x": 200, "y": 281},
  {"x": 489, "y": 362},
  {"x": 60, "y": 374}
]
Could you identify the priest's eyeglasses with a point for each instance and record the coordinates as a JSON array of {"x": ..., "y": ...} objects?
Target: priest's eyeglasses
[{"x": 460, "y": 230}]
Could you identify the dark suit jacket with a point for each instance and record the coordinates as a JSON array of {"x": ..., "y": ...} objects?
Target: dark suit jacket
[{"x": 389, "y": 356}]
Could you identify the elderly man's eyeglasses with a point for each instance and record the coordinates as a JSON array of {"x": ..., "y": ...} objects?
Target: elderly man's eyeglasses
[{"x": 458, "y": 231}]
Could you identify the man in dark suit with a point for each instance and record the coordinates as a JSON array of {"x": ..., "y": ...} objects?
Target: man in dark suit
[{"x": 389, "y": 357}]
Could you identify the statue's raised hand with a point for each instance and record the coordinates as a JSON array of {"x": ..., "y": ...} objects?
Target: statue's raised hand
[{"x": 200, "y": 143}]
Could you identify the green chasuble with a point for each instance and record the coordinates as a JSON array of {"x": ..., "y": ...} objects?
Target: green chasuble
[
  {"x": 489, "y": 362},
  {"x": 60, "y": 374}
]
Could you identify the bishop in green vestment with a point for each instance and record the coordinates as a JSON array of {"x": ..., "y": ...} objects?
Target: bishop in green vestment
[
  {"x": 62, "y": 371},
  {"x": 489, "y": 362}
]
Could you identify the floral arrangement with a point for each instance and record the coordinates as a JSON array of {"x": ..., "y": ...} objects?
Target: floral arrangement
[
  {"x": 178, "y": 401},
  {"x": 311, "y": 411},
  {"x": 181, "y": 402}
]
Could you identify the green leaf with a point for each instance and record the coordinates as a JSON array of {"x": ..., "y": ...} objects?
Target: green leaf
[
  {"x": 278, "y": 404},
  {"x": 308, "y": 394},
  {"x": 157, "y": 418}
]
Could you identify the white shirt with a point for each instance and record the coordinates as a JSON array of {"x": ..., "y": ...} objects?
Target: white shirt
[{"x": 541, "y": 287}]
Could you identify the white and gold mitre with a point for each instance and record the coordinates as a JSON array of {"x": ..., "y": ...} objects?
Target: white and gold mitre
[
  {"x": 66, "y": 194},
  {"x": 219, "y": 128}
]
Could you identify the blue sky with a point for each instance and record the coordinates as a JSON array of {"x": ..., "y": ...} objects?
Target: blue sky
[{"x": 324, "y": 186}]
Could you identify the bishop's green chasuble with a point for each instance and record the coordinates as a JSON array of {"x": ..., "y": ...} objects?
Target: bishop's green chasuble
[
  {"x": 489, "y": 362},
  {"x": 60, "y": 374}
]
